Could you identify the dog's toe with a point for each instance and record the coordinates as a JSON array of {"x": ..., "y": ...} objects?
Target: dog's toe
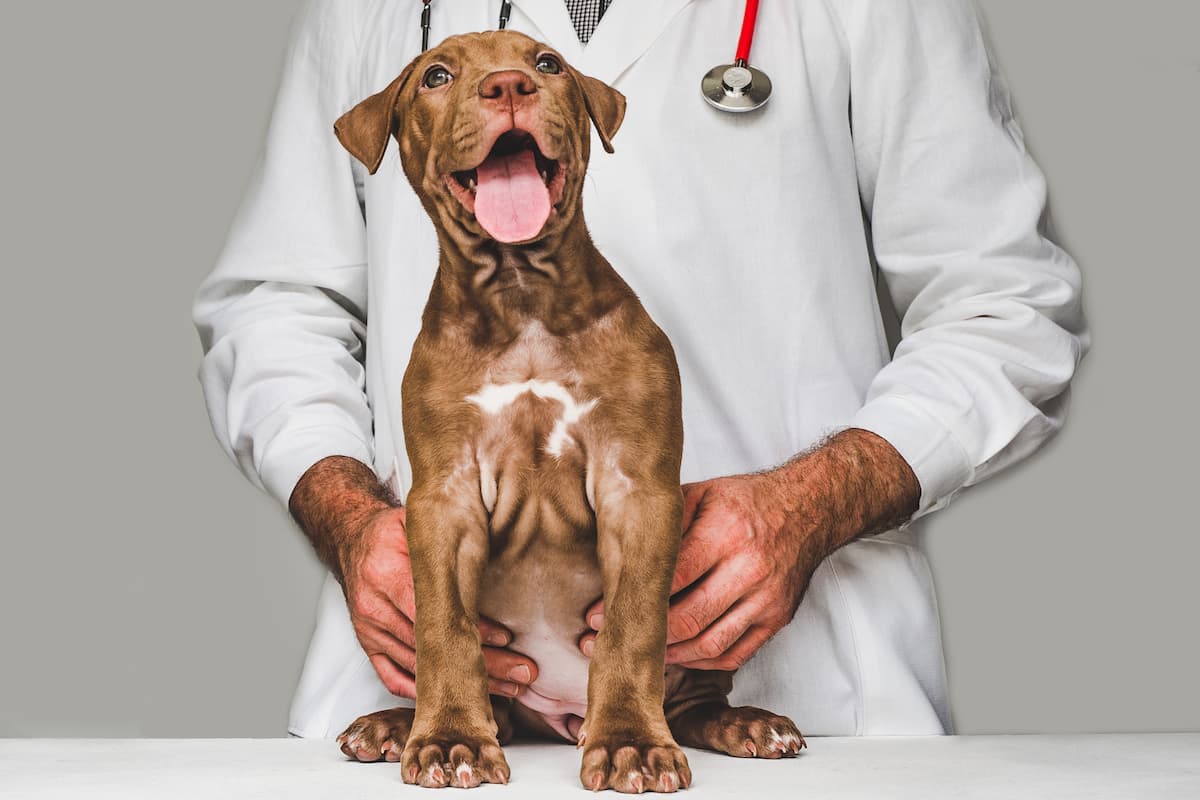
[
  {"x": 634, "y": 768},
  {"x": 461, "y": 761}
]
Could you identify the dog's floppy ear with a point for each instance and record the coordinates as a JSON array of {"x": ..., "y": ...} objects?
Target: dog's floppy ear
[
  {"x": 365, "y": 129},
  {"x": 605, "y": 105}
]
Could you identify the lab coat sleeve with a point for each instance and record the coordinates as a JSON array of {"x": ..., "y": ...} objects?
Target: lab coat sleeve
[
  {"x": 991, "y": 320},
  {"x": 282, "y": 316}
]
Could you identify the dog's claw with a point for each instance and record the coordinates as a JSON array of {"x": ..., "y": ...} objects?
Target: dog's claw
[
  {"x": 668, "y": 782},
  {"x": 636, "y": 783}
]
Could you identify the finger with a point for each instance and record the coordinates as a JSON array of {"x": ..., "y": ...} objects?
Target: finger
[
  {"x": 587, "y": 644},
  {"x": 693, "y": 499},
  {"x": 595, "y": 614},
  {"x": 738, "y": 654},
  {"x": 386, "y": 617},
  {"x": 504, "y": 688},
  {"x": 398, "y": 588},
  {"x": 397, "y": 681},
  {"x": 694, "y": 611},
  {"x": 702, "y": 546},
  {"x": 401, "y": 626},
  {"x": 387, "y": 650},
  {"x": 505, "y": 665},
  {"x": 493, "y": 633},
  {"x": 716, "y": 639},
  {"x": 400, "y": 594},
  {"x": 377, "y": 641}
]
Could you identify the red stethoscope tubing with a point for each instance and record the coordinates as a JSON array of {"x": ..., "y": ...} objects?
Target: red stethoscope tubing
[{"x": 747, "y": 37}]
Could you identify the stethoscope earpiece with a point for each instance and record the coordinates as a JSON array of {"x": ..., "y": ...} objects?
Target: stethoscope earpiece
[{"x": 738, "y": 86}]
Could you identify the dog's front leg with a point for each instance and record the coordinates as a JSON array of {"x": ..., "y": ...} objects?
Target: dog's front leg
[
  {"x": 453, "y": 739},
  {"x": 626, "y": 743}
]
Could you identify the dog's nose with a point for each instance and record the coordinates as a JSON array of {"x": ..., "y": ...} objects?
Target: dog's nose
[{"x": 508, "y": 85}]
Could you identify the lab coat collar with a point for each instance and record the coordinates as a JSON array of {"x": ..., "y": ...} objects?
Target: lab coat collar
[{"x": 626, "y": 31}]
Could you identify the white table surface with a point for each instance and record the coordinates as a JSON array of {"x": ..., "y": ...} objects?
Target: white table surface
[{"x": 1139, "y": 767}]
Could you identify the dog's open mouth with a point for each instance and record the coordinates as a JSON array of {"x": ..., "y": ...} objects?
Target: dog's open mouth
[{"x": 513, "y": 191}]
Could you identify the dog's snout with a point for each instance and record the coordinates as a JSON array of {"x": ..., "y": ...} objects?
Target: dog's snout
[{"x": 508, "y": 86}]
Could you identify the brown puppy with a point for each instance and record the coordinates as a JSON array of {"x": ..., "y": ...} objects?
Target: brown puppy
[{"x": 542, "y": 418}]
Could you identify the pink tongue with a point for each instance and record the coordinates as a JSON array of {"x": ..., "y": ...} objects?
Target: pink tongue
[{"x": 511, "y": 201}]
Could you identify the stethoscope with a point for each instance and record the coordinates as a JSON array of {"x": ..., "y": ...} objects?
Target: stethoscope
[
  {"x": 735, "y": 87},
  {"x": 505, "y": 13},
  {"x": 738, "y": 87}
]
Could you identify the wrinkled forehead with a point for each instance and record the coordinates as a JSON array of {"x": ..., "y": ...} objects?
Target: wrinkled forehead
[{"x": 483, "y": 53}]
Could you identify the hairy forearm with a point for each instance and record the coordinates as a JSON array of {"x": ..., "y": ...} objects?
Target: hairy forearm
[
  {"x": 853, "y": 484},
  {"x": 333, "y": 500}
]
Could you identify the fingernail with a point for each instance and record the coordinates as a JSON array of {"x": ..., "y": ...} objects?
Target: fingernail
[
  {"x": 587, "y": 646},
  {"x": 496, "y": 638},
  {"x": 508, "y": 689},
  {"x": 520, "y": 674},
  {"x": 596, "y": 621}
]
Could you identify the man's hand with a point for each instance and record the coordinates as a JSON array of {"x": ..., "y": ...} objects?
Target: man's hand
[
  {"x": 360, "y": 535},
  {"x": 378, "y": 583},
  {"x": 751, "y": 544}
]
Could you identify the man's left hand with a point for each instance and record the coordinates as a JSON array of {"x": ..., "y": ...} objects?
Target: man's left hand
[
  {"x": 744, "y": 571},
  {"x": 751, "y": 544}
]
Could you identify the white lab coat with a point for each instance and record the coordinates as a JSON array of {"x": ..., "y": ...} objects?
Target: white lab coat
[{"x": 744, "y": 236}]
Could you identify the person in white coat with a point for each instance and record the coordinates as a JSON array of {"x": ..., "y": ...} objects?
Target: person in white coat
[{"x": 750, "y": 238}]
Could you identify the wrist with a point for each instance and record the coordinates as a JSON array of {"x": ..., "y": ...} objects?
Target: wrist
[
  {"x": 853, "y": 484},
  {"x": 333, "y": 502}
]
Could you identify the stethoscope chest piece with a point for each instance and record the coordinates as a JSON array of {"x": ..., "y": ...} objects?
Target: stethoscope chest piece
[{"x": 736, "y": 87}]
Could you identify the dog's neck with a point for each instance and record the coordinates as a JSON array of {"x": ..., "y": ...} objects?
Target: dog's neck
[{"x": 492, "y": 291}]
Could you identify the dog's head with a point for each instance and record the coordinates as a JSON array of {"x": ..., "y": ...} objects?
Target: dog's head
[{"x": 493, "y": 133}]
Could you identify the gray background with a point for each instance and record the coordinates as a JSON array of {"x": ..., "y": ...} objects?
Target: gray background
[{"x": 147, "y": 589}]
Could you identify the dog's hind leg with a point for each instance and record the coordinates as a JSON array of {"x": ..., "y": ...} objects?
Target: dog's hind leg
[
  {"x": 699, "y": 714},
  {"x": 381, "y": 736}
]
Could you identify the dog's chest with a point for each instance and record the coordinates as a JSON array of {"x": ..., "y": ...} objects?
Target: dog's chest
[{"x": 530, "y": 443}]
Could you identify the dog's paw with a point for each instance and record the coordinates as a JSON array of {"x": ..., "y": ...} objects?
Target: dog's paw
[
  {"x": 749, "y": 732},
  {"x": 377, "y": 737},
  {"x": 633, "y": 767},
  {"x": 453, "y": 759}
]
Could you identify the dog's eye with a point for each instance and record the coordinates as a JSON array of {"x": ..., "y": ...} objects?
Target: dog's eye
[
  {"x": 548, "y": 64},
  {"x": 437, "y": 76}
]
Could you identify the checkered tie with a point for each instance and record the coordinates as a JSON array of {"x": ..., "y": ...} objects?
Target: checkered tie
[{"x": 586, "y": 15}]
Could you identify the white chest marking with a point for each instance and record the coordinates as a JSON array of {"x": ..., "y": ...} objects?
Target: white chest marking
[{"x": 493, "y": 398}]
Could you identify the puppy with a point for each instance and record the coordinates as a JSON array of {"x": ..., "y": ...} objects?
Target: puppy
[{"x": 542, "y": 418}]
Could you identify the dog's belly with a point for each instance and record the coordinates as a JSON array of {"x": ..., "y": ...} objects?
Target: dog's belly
[
  {"x": 543, "y": 571},
  {"x": 540, "y": 596}
]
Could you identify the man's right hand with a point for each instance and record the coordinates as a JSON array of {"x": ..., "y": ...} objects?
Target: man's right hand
[
  {"x": 360, "y": 535},
  {"x": 379, "y": 592}
]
